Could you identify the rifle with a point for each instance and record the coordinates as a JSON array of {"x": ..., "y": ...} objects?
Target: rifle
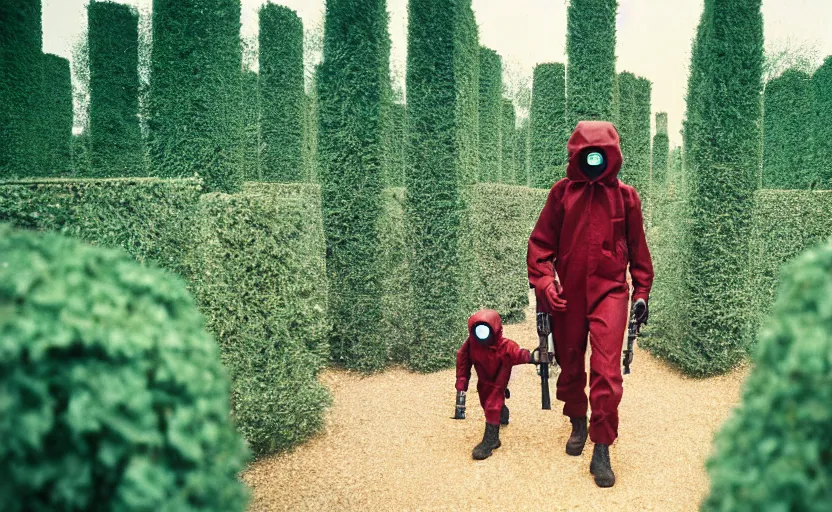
[
  {"x": 632, "y": 334},
  {"x": 546, "y": 354}
]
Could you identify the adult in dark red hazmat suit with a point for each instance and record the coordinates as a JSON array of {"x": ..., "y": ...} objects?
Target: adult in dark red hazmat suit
[
  {"x": 493, "y": 356},
  {"x": 590, "y": 229}
]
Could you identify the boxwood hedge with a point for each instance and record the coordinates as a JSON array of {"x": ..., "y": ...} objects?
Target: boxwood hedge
[
  {"x": 549, "y": 129},
  {"x": 508, "y": 142},
  {"x": 56, "y": 135},
  {"x": 822, "y": 84},
  {"x": 490, "y": 114}
]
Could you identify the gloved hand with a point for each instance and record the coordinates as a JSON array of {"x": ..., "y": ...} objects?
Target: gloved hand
[
  {"x": 640, "y": 311},
  {"x": 552, "y": 294},
  {"x": 459, "y": 413},
  {"x": 534, "y": 356}
]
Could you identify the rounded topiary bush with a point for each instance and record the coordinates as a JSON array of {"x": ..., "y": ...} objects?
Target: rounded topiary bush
[
  {"x": 775, "y": 453},
  {"x": 112, "y": 392}
]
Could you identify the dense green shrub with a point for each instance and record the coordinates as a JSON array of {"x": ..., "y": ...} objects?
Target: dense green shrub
[
  {"x": 822, "y": 82},
  {"x": 590, "y": 45},
  {"x": 281, "y": 93},
  {"x": 21, "y": 73},
  {"x": 788, "y": 146},
  {"x": 523, "y": 138},
  {"x": 113, "y": 393},
  {"x": 310, "y": 137},
  {"x": 442, "y": 102},
  {"x": 57, "y": 116},
  {"x": 115, "y": 138},
  {"x": 722, "y": 153},
  {"x": 674, "y": 167},
  {"x": 396, "y": 315},
  {"x": 508, "y": 141},
  {"x": 774, "y": 451},
  {"x": 634, "y": 129},
  {"x": 490, "y": 113},
  {"x": 353, "y": 81},
  {"x": 196, "y": 111},
  {"x": 151, "y": 219},
  {"x": 397, "y": 137},
  {"x": 549, "y": 130},
  {"x": 661, "y": 149},
  {"x": 251, "y": 127},
  {"x": 260, "y": 284}
]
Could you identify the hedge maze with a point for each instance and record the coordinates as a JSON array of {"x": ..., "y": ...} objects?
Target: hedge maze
[{"x": 549, "y": 129}]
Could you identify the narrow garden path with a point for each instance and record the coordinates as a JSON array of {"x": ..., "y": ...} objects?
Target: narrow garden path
[{"x": 390, "y": 445}]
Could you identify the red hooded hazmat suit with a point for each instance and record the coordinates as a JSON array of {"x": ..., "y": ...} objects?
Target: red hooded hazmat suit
[
  {"x": 493, "y": 363},
  {"x": 589, "y": 231}
]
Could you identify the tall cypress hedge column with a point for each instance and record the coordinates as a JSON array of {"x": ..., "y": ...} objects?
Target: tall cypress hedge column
[
  {"x": 549, "y": 130},
  {"x": 442, "y": 101},
  {"x": 490, "y": 113},
  {"x": 281, "y": 93},
  {"x": 822, "y": 82},
  {"x": 196, "y": 123},
  {"x": 21, "y": 73},
  {"x": 115, "y": 136},
  {"x": 788, "y": 139},
  {"x": 57, "y": 109},
  {"x": 251, "y": 126},
  {"x": 661, "y": 149},
  {"x": 634, "y": 128},
  {"x": 508, "y": 139},
  {"x": 590, "y": 46},
  {"x": 352, "y": 81}
]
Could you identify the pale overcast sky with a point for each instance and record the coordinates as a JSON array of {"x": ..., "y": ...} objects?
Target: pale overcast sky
[{"x": 653, "y": 40}]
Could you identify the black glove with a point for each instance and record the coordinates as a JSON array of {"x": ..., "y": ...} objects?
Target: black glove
[
  {"x": 640, "y": 311},
  {"x": 459, "y": 413}
]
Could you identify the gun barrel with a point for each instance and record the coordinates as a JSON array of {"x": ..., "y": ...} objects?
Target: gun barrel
[{"x": 544, "y": 386}]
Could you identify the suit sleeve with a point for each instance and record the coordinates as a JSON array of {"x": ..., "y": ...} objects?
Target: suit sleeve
[
  {"x": 543, "y": 242},
  {"x": 463, "y": 367},
  {"x": 641, "y": 264}
]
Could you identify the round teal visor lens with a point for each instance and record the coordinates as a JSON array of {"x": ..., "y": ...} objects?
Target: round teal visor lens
[
  {"x": 482, "y": 332},
  {"x": 594, "y": 159}
]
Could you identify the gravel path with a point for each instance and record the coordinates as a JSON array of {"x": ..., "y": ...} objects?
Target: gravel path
[{"x": 390, "y": 445}]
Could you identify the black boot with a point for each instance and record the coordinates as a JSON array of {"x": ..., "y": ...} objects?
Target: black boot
[
  {"x": 600, "y": 466},
  {"x": 576, "y": 442},
  {"x": 490, "y": 441},
  {"x": 504, "y": 416}
]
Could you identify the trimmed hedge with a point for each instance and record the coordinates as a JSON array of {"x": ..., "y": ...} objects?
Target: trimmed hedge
[
  {"x": 196, "y": 110},
  {"x": 442, "y": 100},
  {"x": 396, "y": 315},
  {"x": 353, "y": 82},
  {"x": 57, "y": 119},
  {"x": 590, "y": 46},
  {"x": 822, "y": 83},
  {"x": 774, "y": 451},
  {"x": 661, "y": 150},
  {"x": 21, "y": 73},
  {"x": 260, "y": 284},
  {"x": 508, "y": 141},
  {"x": 116, "y": 146},
  {"x": 310, "y": 137},
  {"x": 490, "y": 114},
  {"x": 397, "y": 138},
  {"x": 674, "y": 167},
  {"x": 251, "y": 127},
  {"x": 282, "y": 94},
  {"x": 634, "y": 129},
  {"x": 789, "y": 160},
  {"x": 114, "y": 396},
  {"x": 549, "y": 130},
  {"x": 523, "y": 138}
]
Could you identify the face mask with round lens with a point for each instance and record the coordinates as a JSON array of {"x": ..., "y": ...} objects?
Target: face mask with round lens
[
  {"x": 594, "y": 159},
  {"x": 482, "y": 332}
]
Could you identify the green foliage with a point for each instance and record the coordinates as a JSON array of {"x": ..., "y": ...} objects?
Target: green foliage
[
  {"x": 508, "y": 140},
  {"x": 490, "y": 114},
  {"x": 788, "y": 146},
  {"x": 115, "y": 138},
  {"x": 674, "y": 167},
  {"x": 822, "y": 82},
  {"x": 722, "y": 144},
  {"x": 113, "y": 393},
  {"x": 196, "y": 111},
  {"x": 590, "y": 45},
  {"x": 251, "y": 127},
  {"x": 396, "y": 139},
  {"x": 774, "y": 451},
  {"x": 396, "y": 315},
  {"x": 353, "y": 81},
  {"x": 442, "y": 101},
  {"x": 21, "y": 73},
  {"x": 281, "y": 93},
  {"x": 310, "y": 136},
  {"x": 661, "y": 149},
  {"x": 549, "y": 130},
  {"x": 523, "y": 138},
  {"x": 260, "y": 261},
  {"x": 56, "y": 135},
  {"x": 634, "y": 128}
]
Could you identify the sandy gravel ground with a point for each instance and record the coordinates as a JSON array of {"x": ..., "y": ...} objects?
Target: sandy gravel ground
[{"x": 390, "y": 445}]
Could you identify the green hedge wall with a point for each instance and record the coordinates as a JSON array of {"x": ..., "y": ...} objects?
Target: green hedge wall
[
  {"x": 281, "y": 93},
  {"x": 490, "y": 113},
  {"x": 789, "y": 161},
  {"x": 522, "y": 155},
  {"x": 114, "y": 396},
  {"x": 260, "y": 261},
  {"x": 822, "y": 82},
  {"x": 251, "y": 127},
  {"x": 196, "y": 111},
  {"x": 634, "y": 128},
  {"x": 773, "y": 453},
  {"x": 396, "y": 314},
  {"x": 57, "y": 116},
  {"x": 442, "y": 100},
  {"x": 353, "y": 81},
  {"x": 549, "y": 129},
  {"x": 116, "y": 146},
  {"x": 590, "y": 46},
  {"x": 310, "y": 137},
  {"x": 21, "y": 72},
  {"x": 508, "y": 141},
  {"x": 661, "y": 149},
  {"x": 674, "y": 167},
  {"x": 397, "y": 138}
]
